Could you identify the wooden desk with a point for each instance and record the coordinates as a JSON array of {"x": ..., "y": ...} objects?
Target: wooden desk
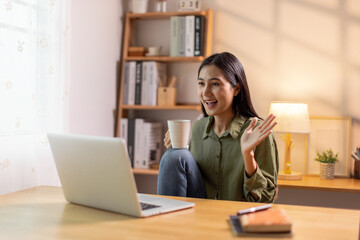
[{"x": 42, "y": 213}]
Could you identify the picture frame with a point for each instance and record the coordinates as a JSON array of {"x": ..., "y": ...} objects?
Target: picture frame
[{"x": 330, "y": 132}]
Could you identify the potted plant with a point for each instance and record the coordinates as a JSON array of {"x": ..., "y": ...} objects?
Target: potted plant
[{"x": 327, "y": 161}]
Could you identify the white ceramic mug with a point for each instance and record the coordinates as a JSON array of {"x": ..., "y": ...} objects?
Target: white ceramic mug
[{"x": 179, "y": 132}]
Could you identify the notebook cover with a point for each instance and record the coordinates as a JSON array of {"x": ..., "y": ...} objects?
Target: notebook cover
[
  {"x": 238, "y": 230},
  {"x": 270, "y": 220}
]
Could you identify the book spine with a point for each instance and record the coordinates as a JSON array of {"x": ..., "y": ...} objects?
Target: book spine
[
  {"x": 181, "y": 37},
  {"x": 138, "y": 77},
  {"x": 189, "y": 36},
  {"x": 125, "y": 90},
  {"x": 202, "y": 35},
  {"x": 197, "y": 37},
  {"x": 131, "y": 139},
  {"x": 156, "y": 138},
  {"x": 174, "y": 24},
  {"x": 132, "y": 82},
  {"x": 146, "y": 143},
  {"x": 124, "y": 129},
  {"x": 144, "y": 85},
  {"x": 138, "y": 142},
  {"x": 153, "y": 84}
]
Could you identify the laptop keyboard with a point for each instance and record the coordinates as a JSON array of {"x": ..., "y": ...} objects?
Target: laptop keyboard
[{"x": 146, "y": 206}]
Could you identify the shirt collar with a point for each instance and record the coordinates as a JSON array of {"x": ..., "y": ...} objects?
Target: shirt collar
[{"x": 234, "y": 130}]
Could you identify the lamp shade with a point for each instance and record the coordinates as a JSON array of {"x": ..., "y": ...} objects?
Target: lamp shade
[{"x": 291, "y": 117}]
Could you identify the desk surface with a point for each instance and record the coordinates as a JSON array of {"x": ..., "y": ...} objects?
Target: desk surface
[
  {"x": 42, "y": 213},
  {"x": 316, "y": 183}
]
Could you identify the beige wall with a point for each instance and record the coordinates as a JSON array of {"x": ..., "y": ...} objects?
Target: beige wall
[{"x": 96, "y": 29}]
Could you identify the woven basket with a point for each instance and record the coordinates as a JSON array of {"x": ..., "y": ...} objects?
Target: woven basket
[{"x": 327, "y": 170}]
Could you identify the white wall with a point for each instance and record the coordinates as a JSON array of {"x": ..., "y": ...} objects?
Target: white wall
[{"x": 96, "y": 34}]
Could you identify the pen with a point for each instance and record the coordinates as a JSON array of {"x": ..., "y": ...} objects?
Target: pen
[{"x": 254, "y": 209}]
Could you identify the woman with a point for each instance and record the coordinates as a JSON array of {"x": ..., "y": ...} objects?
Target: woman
[{"x": 233, "y": 155}]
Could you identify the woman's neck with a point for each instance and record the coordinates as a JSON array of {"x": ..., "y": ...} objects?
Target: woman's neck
[{"x": 222, "y": 123}]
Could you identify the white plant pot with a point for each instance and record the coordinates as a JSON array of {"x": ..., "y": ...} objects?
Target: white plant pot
[{"x": 327, "y": 170}]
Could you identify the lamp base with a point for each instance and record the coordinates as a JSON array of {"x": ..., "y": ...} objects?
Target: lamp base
[{"x": 292, "y": 176}]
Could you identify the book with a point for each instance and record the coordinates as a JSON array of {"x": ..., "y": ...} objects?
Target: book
[
  {"x": 125, "y": 90},
  {"x": 144, "y": 85},
  {"x": 131, "y": 140},
  {"x": 132, "y": 82},
  {"x": 181, "y": 36},
  {"x": 138, "y": 143},
  {"x": 147, "y": 142},
  {"x": 146, "y": 145},
  {"x": 199, "y": 31},
  {"x": 138, "y": 82},
  {"x": 155, "y": 142},
  {"x": 189, "y": 35},
  {"x": 174, "y": 23},
  {"x": 155, "y": 70},
  {"x": 269, "y": 220},
  {"x": 124, "y": 129},
  {"x": 237, "y": 229}
]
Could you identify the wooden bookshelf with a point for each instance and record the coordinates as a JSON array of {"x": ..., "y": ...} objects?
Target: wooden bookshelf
[
  {"x": 164, "y": 15},
  {"x": 166, "y": 59},
  {"x": 195, "y": 107},
  {"x": 145, "y": 171},
  {"x": 130, "y": 19},
  {"x": 128, "y": 39}
]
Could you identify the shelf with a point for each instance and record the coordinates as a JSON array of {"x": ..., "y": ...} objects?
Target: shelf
[
  {"x": 307, "y": 182},
  {"x": 195, "y": 107},
  {"x": 145, "y": 171},
  {"x": 165, "y": 59},
  {"x": 162, "y": 15},
  {"x": 316, "y": 183}
]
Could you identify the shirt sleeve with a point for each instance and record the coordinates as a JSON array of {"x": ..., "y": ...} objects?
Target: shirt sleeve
[{"x": 263, "y": 183}]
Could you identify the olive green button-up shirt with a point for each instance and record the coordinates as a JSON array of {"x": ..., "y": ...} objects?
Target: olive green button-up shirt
[{"x": 222, "y": 165}]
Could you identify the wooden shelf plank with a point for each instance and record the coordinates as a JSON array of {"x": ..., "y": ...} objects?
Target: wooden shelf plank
[
  {"x": 145, "y": 171},
  {"x": 165, "y": 59},
  {"x": 195, "y": 107},
  {"x": 316, "y": 183},
  {"x": 162, "y": 15}
]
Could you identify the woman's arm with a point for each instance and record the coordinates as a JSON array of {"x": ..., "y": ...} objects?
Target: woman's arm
[
  {"x": 261, "y": 165},
  {"x": 251, "y": 138}
]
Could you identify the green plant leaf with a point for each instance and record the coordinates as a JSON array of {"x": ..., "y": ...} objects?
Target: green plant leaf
[{"x": 327, "y": 157}]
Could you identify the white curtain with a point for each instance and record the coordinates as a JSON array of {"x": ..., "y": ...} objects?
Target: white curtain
[{"x": 34, "y": 83}]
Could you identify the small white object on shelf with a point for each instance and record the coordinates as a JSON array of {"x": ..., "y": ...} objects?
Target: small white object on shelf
[
  {"x": 138, "y": 6},
  {"x": 189, "y": 5}
]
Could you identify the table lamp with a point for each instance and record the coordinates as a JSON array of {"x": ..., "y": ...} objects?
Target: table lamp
[{"x": 291, "y": 118}]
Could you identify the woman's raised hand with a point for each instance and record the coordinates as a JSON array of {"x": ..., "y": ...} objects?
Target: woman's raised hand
[
  {"x": 253, "y": 136},
  {"x": 167, "y": 140}
]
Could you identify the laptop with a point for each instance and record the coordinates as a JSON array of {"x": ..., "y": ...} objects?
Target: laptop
[{"x": 96, "y": 172}]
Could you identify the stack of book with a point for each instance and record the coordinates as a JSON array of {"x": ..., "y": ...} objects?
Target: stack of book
[
  {"x": 143, "y": 139},
  {"x": 141, "y": 82},
  {"x": 186, "y": 35}
]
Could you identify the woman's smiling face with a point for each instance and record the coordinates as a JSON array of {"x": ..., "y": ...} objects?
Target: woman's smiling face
[{"x": 215, "y": 91}]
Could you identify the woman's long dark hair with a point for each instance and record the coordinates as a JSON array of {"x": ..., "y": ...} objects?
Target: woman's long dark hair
[{"x": 234, "y": 72}]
